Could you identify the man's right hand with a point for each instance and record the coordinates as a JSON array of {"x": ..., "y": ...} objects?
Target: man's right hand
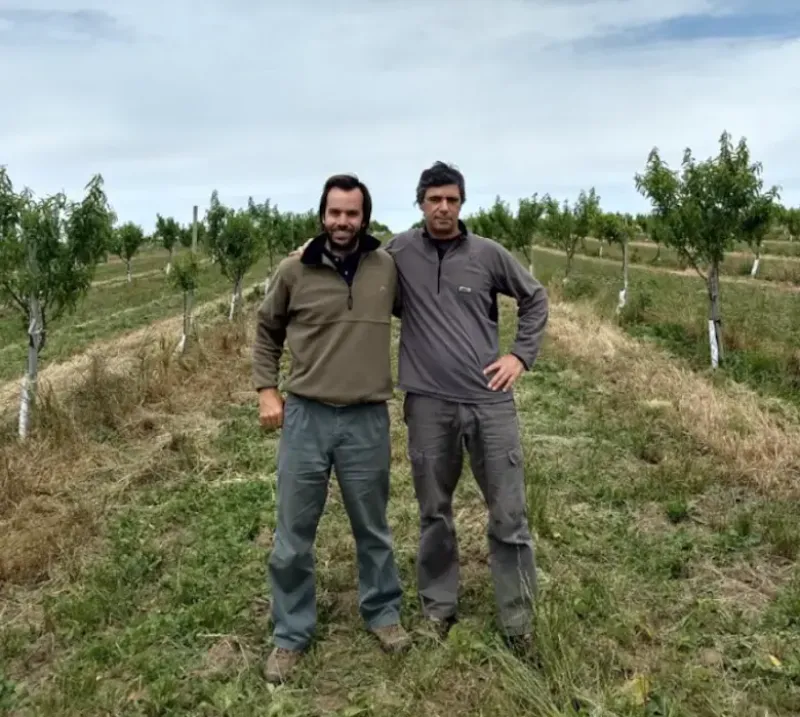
[
  {"x": 270, "y": 408},
  {"x": 301, "y": 248}
]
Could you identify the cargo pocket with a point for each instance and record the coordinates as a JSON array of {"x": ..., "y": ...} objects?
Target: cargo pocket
[
  {"x": 516, "y": 497},
  {"x": 416, "y": 458}
]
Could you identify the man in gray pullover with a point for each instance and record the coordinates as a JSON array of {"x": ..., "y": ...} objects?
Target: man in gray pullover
[{"x": 459, "y": 395}]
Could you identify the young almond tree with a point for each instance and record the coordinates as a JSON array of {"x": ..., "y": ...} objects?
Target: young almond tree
[
  {"x": 613, "y": 229},
  {"x": 569, "y": 226},
  {"x": 267, "y": 224},
  {"x": 185, "y": 277},
  {"x": 377, "y": 228},
  {"x": 792, "y": 221},
  {"x": 757, "y": 225},
  {"x": 169, "y": 232},
  {"x": 187, "y": 235},
  {"x": 127, "y": 240},
  {"x": 481, "y": 223},
  {"x": 515, "y": 233},
  {"x": 215, "y": 220},
  {"x": 49, "y": 249},
  {"x": 707, "y": 209},
  {"x": 587, "y": 212},
  {"x": 236, "y": 242},
  {"x": 498, "y": 223},
  {"x": 526, "y": 224},
  {"x": 558, "y": 225}
]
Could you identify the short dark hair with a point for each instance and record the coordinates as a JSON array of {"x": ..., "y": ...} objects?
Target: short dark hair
[
  {"x": 346, "y": 182},
  {"x": 439, "y": 175}
]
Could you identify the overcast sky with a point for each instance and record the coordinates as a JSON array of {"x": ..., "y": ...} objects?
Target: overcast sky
[{"x": 170, "y": 99}]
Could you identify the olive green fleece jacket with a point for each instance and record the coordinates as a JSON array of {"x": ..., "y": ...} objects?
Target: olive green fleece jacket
[{"x": 338, "y": 335}]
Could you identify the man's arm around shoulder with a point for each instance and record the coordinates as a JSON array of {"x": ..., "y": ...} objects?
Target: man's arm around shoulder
[
  {"x": 512, "y": 279},
  {"x": 397, "y": 241}
]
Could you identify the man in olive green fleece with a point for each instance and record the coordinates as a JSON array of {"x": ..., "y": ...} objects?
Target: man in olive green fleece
[{"x": 332, "y": 305}]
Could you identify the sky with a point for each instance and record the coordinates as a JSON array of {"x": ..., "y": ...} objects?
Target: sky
[{"x": 171, "y": 99}]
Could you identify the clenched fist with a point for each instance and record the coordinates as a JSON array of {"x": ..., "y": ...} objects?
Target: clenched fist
[{"x": 270, "y": 408}]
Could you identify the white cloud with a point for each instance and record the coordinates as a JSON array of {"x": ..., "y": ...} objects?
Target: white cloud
[{"x": 177, "y": 98}]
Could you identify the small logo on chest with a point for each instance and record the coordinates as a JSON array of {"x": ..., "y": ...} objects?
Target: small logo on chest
[{"x": 465, "y": 289}]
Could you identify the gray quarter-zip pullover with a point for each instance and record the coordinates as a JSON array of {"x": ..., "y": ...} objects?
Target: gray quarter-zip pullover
[{"x": 449, "y": 325}]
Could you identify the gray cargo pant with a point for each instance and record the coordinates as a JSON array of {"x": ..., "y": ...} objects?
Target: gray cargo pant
[
  {"x": 355, "y": 440},
  {"x": 438, "y": 432}
]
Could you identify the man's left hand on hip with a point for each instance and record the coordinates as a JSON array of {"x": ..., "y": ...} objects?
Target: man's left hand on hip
[{"x": 507, "y": 369}]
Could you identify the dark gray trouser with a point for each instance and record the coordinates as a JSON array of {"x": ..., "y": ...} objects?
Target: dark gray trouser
[
  {"x": 438, "y": 432},
  {"x": 355, "y": 441}
]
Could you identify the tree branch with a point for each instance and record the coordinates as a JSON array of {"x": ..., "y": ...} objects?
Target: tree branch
[{"x": 23, "y": 305}]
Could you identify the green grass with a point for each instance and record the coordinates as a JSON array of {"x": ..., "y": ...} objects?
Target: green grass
[
  {"x": 781, "y": 248},
  {"x": 783, "y": 268},
  {"x": 149, "y": 259},
  {"x": 656, "y": 572},
  {"x": 108, "y": 310},
  {"x": 761, "y": 324}
]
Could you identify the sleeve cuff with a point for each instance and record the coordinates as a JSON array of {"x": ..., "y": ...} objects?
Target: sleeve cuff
[{"x": 524, "y": 362}]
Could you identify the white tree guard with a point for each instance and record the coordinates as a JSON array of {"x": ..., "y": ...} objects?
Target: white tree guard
[
  {"x": 29, "y": 381},
  {"x": 712, "y": 342},
  {"x": 623, "y": 299}
]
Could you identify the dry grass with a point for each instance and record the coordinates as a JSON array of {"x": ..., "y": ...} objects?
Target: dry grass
[
  {"x": 128, "y": 419},
  {"x": 118, "y": 354},
  {"x": 732, "y": 422}
]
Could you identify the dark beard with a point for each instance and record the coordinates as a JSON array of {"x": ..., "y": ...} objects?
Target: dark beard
[{"x": 339, "y": 248}]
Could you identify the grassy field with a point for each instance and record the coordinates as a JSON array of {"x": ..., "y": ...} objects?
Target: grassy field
[
  {"x": 761, "y": 323},
  {"x": 136, "y": 528},
  {"x": 113, "y": 308},
  {"x": 149, "y": 259},
  {"x": 773, "y": 267},
  {"x": 782, "y": 248}
]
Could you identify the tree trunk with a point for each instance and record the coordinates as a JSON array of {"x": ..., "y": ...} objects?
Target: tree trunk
[
  {"x": 568, "y": 267},
  {"x": 530, "y": 260},
  {"x": 236, "y": 298},
  {"x": 128, "y": 270},
  {"x": 757, "y": 261},
  {"x": 168, "y": 268},
  {"x": 658, "y": 254},
  {"x": 715, "y": 320},
  {"x": 600, "y": 253},
  {"x": 29, "y": 382},
  {"x": 623, "y": 295},
  {"x": 188, "y": 300}
]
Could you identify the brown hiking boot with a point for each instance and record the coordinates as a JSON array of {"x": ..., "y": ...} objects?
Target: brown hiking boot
[
  {"x": 521, "y": 644},
  {"x": 439, "y": 627},
  {"x": 280, "y": 663},
  {"x": 524, "y": 647},
  {"x": 393, "y": 638}
]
